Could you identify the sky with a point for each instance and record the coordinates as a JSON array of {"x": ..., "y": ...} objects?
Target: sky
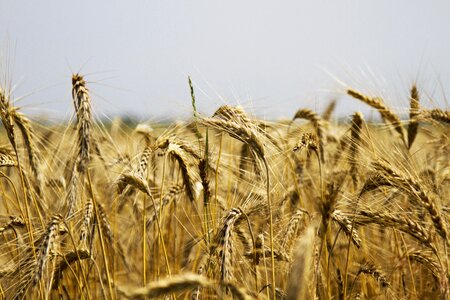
[{"x": 271, "y": 57}]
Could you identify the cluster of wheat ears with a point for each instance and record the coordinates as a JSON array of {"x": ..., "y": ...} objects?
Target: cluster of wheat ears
[{"x": 227, "y": 206}]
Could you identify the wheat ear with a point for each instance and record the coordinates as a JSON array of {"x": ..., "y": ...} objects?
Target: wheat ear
[
  {"x": 318, "y": 126},
  {"x": 386, "y": 113},
  {"x": 82, "y": 104},
  {"x": 415, "y": 188},
  {"x": 224, "y": 240},
  {"x": 413, "y": 113}
]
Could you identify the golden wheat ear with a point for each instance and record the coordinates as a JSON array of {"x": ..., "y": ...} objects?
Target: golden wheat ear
[
  {"x": 24, "y": 126},
  {"x": 386, "y": 113},
  {"x": 413, "y": 125},
  {"x": 300, "y": 284},
  {"x": 438, "y": 115},
  {"x": 83, "y": 110},
  {"x": 355, "y": 132},
  {"x": 329, "y": 110},
  {"x": 318, "y": 126},
  {"x": 7, "y": 118},
  {"x": 183, "y": 154}
]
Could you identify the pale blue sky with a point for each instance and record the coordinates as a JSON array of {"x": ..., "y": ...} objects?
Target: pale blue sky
[{"x": 272, "y": 57}]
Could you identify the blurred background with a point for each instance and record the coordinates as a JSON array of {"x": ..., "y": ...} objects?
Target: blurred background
[{"x": 271, "y": 57}]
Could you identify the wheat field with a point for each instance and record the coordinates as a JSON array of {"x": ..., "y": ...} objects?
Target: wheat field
[{"x": 226, "y": 206}]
